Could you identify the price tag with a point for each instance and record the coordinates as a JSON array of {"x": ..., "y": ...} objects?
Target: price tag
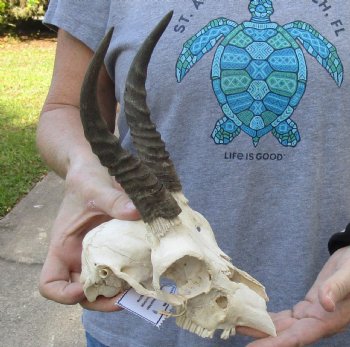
[{"x": 150, "y": 309}]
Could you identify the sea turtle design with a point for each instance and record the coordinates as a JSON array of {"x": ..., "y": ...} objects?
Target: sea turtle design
[{"x": 259, "y": 72}]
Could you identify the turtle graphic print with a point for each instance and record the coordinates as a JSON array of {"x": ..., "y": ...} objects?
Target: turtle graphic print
[{"x": 259, "y": 72}]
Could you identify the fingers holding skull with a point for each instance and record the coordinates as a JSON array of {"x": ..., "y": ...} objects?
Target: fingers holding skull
[{"x": 91, "y": 198}]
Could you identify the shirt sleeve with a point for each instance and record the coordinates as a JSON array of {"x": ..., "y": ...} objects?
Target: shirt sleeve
[{"x": 86, "y": 20}]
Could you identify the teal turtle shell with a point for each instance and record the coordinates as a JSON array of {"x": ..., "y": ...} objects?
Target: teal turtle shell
[
  {"x": 259, "y": 76},
  {"x": 259, "y": 72}
]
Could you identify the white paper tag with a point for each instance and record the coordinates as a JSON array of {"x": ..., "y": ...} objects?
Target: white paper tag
[{"x": 145, "y": 307}]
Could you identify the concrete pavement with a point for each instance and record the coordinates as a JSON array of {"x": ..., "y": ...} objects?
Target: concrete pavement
[{"x": 27, "y": 319}]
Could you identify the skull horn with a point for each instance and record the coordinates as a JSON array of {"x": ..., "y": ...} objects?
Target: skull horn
[
  {"x": 148, "y": 194},
  {"x": 146, "y": 139}
]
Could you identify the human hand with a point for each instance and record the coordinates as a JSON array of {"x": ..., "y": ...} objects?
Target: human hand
[
  {"x": 91, "y": 198},
  {"x": 325, "y": 310}
]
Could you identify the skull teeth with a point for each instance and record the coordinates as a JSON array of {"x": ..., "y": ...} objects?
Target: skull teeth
[
  {"x": 187, "y": 324},
  {"x": 227, "y": 333}
]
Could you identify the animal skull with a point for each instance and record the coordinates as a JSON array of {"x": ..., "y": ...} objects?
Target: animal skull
[{"x": 172, "y": 241}]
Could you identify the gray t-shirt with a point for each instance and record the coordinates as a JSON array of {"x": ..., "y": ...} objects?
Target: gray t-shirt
[{"x": 278, "y": 186}]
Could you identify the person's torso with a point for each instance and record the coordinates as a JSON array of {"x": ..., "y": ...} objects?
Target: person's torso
[{"x": 255, "y": 115}]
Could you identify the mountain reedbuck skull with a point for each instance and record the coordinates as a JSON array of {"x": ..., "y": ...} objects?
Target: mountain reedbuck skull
[{"x": 172, "y": 241}]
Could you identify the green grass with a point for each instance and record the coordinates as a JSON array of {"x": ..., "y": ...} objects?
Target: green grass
[{"x": 25, "y": 73}]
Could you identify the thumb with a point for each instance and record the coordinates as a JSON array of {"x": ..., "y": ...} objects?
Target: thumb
[
  {"x": 335, "y": 289},
  {"x": 117, "y": 204}
]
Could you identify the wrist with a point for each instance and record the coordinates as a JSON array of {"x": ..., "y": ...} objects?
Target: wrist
[
  {"x": 61, "y": 141},
  {"x": 82, "y": 158}
]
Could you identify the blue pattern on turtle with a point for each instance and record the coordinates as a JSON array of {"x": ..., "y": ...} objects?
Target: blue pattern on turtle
[{"x": 259, "y": 72}]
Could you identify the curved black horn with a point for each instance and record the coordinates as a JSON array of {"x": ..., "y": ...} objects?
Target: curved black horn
[
  {"x": 148, "y": 194},
  {"x": 146, "y": 139}
]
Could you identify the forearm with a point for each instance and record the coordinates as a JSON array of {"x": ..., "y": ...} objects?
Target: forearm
[{"x": 60, "y": 136}]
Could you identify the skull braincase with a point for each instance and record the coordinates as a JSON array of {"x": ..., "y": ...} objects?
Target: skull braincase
[{"x": 115, "y": 257}]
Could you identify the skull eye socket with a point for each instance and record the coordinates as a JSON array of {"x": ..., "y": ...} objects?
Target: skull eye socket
[
  {"x": 222, "y": 301},
  {"x": 190, "y": 274}
]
